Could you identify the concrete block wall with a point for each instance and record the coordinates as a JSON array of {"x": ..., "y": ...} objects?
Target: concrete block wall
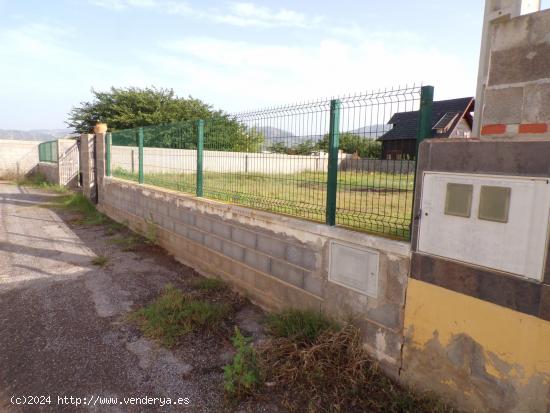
[
  {"x": 517, "y": 96},
  {"x": 279, "y": 262},
  {"x": 50, "y": 171},
  {"x": 17, "y": 158}
]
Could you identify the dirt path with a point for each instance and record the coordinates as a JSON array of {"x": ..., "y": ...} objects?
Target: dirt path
[{"x": 62, "y": 328}]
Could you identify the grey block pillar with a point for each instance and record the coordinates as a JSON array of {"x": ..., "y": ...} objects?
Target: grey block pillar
[
  {"x": 100, "y": 163},
  {"x": 87, "y": 166}
]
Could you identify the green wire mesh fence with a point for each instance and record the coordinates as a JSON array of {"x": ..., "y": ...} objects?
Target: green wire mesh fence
[
  {"x": 330, "y": 160},
  {"x": 48, "y": 152}
]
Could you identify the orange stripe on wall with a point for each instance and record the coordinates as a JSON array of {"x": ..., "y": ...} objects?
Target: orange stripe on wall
[
  {"x": 533, "y": 128},
  {"x": 493, "y": 129}
]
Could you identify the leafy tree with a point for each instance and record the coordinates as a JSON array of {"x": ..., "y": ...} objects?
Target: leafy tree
[
  {"x": 168, "y": 120},
  {"x": 278, "y": 147},
  {"x": 354, "y": 144},
  {"x": 304, "y": 148}
]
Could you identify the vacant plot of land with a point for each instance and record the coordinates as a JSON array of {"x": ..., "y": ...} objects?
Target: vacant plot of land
[{"x": 379, "y": 202}]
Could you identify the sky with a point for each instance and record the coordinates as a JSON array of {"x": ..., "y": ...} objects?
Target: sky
[{"x": 235, "y": 55}]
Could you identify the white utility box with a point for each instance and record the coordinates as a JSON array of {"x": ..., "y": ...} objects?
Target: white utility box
[
  {"x": 354, "y": 267},
  {"x": 498, "y": 222}
]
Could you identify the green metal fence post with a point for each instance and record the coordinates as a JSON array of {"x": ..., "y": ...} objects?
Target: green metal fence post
[
  {"x": 425, "y": 115},
  {"x": 332, "y": 174},
  {"x": 200, "y": 148},
  {"x": 140, "y": 155},
  {"x": 424, "y": 131},
  {"x": 108, "y": 138}
]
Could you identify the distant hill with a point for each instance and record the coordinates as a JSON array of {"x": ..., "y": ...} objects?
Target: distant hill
[
  {"x": 35, "y": 134},
  {"x": 275, "y": 135},
  {"x": 371, "y": 131}
]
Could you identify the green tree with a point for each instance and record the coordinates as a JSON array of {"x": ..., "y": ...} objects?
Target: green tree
[
  {"x": 168, "y": 120},
  {"x": 278, "y": 147},
  {"x": 304, "y": 148},
  {"x": 354, "y": 144}
]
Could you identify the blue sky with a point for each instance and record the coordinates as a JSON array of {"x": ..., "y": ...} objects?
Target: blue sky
[{"x": 236, "y": 55}]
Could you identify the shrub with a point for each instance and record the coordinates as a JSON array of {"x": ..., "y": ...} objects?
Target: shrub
[{"x": 242, "y": 376}]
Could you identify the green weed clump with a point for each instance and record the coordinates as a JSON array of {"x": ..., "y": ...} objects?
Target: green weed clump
[
  {"x": 80, "y": 204},
  {"x": 242, "y": 376},
  {"x": 210, "y": 284},
  {"x": 301, "y": 326},
  {"x": 173, "y": 315},
  {"x": 38, "y": 180},
  {"x": 100, "y": 261}
]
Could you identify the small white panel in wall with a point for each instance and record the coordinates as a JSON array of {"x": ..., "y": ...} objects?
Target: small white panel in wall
[
  {"x": 354, "y": 267},
  {"x": 507, "y": 229}
]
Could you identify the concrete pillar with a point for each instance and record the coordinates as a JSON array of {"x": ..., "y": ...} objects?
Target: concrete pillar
[
  {"x": 87, "y": 166},
  {"x": 495, "y": 11},
  {"x": 100, "y": 163}
]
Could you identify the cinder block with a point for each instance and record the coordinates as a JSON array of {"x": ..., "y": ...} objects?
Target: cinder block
[
  {"x": 256, "y": 260},
  {"x": 388, "y": 314},
  {"x": 221, "y": 229},
  {"x": 203, "y": 223},
  {"x": 536, "y": 108},
  {"x": 300, "y": 256},
  {"x": 168, "y": 223},
  {"x": 233, "y": 250},
  {"x": 213, "y": 242},
  {"x": 288, "y": 273},
  {"x": 162, "y": 207},
  {"x": 195, "y": 235},
  {"x": 503, "y": 106},
  {"x": 186, "y": 216},
  {"x": 243, "y": 237},
  {"x": 520, "y": 64},
  {"x": 381, "y": 341},
  {"x": 396, "y": 281},
  {"x": 314, "y": 284},
  {"x": 271, "y": 246}
]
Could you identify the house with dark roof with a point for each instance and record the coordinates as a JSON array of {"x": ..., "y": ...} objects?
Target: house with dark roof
[{"x": 450, "y": 119}]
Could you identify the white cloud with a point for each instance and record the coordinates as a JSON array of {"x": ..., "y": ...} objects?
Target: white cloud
[
  {"x": 124, "y": 4},
  {"x": 249, "y": 14},
  {"x": 243, "y": 14},
  {"x": 243, "y": 75}
]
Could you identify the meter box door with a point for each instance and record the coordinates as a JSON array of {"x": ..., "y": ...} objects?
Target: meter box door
[{"x": 498, "y": 222}]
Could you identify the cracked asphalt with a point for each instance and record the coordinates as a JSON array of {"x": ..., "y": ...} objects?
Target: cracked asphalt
[{"x": 62, "y": 326}]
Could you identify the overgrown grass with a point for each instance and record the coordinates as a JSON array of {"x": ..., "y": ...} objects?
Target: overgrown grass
[
  {"x": 78, "y": 203},
  {"x": 38, "y": 180},
  {"x": 174, "y": 314},
  {"x": 333, "y": 373},
  {"x": 300, "y": 326},
  {"x": 100, "y": 261},
  {"x": 210, "y": 284}
]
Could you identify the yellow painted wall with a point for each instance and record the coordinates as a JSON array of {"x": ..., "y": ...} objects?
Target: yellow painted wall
[{"x": 510, "y": 351}]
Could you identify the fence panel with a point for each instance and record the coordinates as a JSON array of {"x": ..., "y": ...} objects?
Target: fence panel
[
  {"x": 48, "y": 152},
  {"x": 124, "y": 154},
  {"x": 279, "y": 159},
  {"x": 264, "y": 159},
  {"x": 169, "y": 155},
  {"x": 376, "y": 180}
]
